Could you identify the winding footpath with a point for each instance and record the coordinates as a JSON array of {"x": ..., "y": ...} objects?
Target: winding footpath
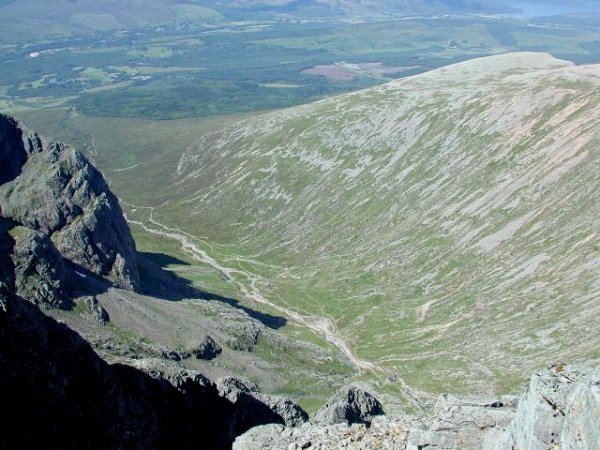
[{"x": 323, "y": 326}]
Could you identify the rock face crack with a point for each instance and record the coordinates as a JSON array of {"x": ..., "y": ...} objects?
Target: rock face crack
[{"x": 554, "y": 406}]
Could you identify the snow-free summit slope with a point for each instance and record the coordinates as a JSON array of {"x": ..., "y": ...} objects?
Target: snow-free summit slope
[{"x": 444, "y": 226}]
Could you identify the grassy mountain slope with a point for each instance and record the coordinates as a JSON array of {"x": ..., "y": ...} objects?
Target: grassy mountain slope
[
  {"x": 443, "y": 227},
  {"x": 446, "y": 223}
]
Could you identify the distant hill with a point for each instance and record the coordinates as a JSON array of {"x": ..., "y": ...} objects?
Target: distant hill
[
  {"x": 30, "y": 19},
  {"x": 362, "y": 8},
  {"x": 27, "y": 20}
]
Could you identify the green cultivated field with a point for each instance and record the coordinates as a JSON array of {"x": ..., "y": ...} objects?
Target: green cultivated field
[{"x": 200, "y": 69}]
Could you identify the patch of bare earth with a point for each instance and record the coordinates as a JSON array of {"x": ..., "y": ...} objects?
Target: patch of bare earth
[{"x": 331, "y": 72}]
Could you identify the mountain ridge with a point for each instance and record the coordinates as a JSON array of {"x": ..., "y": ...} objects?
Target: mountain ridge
[
  {"x": 447, "y": 234},
  {"x": 414, "y": 206},
  {"x": 421, "y": 285}
]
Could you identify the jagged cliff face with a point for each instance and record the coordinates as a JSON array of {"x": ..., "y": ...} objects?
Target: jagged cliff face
[
  {"x": 446, "y": 222},
  {"x": 53, "y": 382},
  {"x": 62, "y": 234},
  {"x": 63, "y": 219}
]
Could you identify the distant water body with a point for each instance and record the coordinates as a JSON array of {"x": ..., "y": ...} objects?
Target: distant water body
[{"x": 530, "y": 9}]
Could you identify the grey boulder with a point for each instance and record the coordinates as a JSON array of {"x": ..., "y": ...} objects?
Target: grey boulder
[
  {"x": 349, "y": 405},
  {"x": 207, "y": 349},
  {"x": 560, "y": 410},
  {"x": 253, "y": 406},
  {"x": 460, "y": 422}
]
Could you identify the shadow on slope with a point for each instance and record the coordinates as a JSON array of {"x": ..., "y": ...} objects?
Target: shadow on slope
[
  {"x": 164, "y": 284},
  {"x": 73, "y": 399}
]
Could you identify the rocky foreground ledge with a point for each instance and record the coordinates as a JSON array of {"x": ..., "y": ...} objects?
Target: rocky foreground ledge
[
  {"x": 54, "y": 384},
  {"x": 560, "y": 410}
]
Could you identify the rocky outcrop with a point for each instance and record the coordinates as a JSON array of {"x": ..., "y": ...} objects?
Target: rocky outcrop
[
  {"x": 253, "y": 406},
  {"x": 53, "y": 191},
  {"x": 341, "y": 423},
  {"x": 581, "y": 426},
  {"x": 207, "y": 349},
  {"x": 42, "y": 275},
  {"x": 245, "y": 339},
  {"x": 560, "y": 410},
  {"x": 349, "y": 405},
  {"x": 7, "y": 267},
  {"x": 96, "y": 310},
  {"x": 174, "y": 355},
  {"x": 384, "y": 434},
  {"x": 459, "y": 423},
  {"x": 291, "y": 413}
]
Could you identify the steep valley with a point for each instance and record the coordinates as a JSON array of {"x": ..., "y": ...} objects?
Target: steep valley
[{"x": 439, "y": 232}]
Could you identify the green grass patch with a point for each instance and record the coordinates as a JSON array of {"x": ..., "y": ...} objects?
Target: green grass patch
[{"x": 17, "y": 232}]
